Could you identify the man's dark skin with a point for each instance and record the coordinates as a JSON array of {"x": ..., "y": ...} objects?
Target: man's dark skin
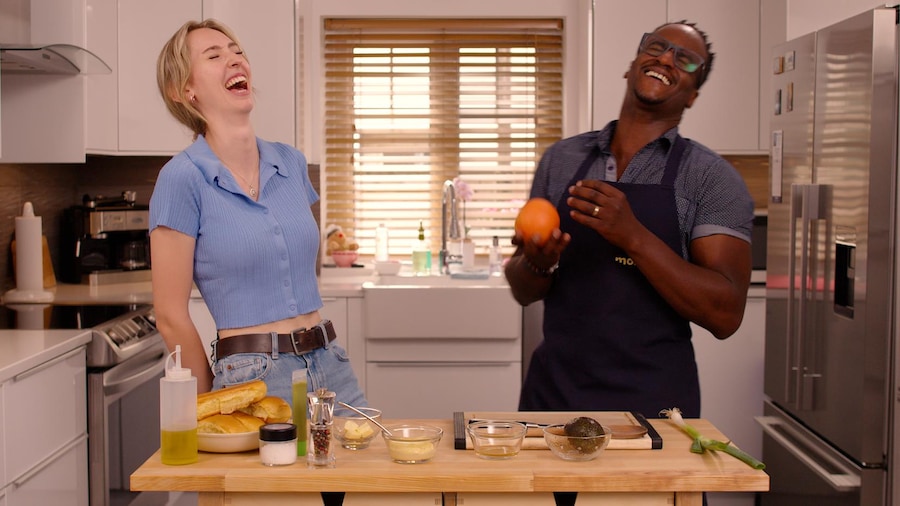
[{"x": 711, "y": 290}]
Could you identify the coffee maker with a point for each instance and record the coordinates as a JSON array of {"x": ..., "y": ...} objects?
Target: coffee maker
[{"x": 104, "y": 235}]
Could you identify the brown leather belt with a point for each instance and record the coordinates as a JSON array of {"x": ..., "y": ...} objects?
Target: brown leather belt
[{"x": 298, "y": 342}]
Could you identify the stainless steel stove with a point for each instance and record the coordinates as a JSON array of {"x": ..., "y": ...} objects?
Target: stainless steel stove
[{"x": 125, "y": 359}]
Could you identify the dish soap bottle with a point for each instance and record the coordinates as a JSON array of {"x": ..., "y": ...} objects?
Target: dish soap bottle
[
  {"x": 495, "y": 258},
  {"x": 421, "y": 254},
  {"x": 381, "y": 243},
  {"x": 178, "y": 413}
]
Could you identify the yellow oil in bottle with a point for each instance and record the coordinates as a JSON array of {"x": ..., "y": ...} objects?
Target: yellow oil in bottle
[{"x": 178, "y": 447}]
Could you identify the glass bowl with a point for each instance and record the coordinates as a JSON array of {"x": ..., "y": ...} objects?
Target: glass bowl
[
  {"x": 354, "y": 431},
  {"x": 574, "y": 447},
  {"x": 412, "y": 444},
  {"x": 495, "y": 439}
]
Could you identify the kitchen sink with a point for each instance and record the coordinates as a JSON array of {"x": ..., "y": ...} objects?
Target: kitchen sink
[{"x": 436, "y": 281}]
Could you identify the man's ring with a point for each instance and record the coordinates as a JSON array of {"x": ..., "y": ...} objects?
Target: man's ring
[{"x": 595, "y": 211}]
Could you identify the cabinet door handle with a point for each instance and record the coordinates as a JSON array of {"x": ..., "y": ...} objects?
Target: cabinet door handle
[{"x": 48, "y": 364}]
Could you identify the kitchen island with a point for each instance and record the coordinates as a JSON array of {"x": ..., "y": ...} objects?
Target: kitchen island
[{"x": 671, "y": 475}]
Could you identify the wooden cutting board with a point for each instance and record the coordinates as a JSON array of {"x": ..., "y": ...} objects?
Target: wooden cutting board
[{"x": 534, "y": 439}]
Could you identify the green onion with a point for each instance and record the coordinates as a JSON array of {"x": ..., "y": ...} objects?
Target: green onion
[{"x": 701, "y": 444}]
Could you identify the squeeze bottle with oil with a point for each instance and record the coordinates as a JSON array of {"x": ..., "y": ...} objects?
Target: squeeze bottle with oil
[{"x": 178, "y": 413}]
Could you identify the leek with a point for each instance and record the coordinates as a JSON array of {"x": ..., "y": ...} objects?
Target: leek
[{"x": 701, "y": 444}]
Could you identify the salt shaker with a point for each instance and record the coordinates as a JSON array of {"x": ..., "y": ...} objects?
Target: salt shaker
[
  {"x": 278, "y": 444},
  {"x": 320, "y": 447}
]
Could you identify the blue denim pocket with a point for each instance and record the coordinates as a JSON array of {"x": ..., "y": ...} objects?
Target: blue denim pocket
[{"x": 241, "y": 368}]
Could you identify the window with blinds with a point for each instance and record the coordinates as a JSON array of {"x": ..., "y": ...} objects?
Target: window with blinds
[{"x": 412, "y": 103}]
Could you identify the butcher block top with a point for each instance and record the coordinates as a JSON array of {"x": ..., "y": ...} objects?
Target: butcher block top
[{"x": 673, "y": 468}]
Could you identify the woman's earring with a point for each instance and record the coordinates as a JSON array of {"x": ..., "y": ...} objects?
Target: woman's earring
[{"x": 193, "y": 99}]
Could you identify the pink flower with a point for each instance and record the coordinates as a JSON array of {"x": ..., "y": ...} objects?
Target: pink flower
[{"x": 463, "y": 191}]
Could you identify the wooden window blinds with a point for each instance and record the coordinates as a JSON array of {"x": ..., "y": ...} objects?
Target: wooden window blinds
[{"x": 411, "y": 103}]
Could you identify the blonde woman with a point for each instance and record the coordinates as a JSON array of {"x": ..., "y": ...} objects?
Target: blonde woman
[{"x": 232, "y": 214}]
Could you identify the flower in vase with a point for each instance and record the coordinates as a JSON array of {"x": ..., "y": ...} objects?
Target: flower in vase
[{"x": 464, "y": 192}]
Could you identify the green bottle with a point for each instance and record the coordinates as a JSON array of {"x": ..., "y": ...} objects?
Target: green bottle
[{"x": 421, "y": 254}]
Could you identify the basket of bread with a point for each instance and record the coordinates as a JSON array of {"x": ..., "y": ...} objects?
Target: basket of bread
[{"x": 228, "y": 419}]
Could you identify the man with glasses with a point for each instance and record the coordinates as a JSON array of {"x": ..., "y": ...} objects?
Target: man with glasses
[{"x": 654, "y": 234}]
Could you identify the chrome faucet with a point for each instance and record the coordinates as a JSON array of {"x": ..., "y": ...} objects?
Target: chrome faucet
[{"x": 448, "y": 196}]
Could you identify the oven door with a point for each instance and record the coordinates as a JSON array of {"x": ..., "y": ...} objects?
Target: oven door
[{"x": 123, "y": 420}]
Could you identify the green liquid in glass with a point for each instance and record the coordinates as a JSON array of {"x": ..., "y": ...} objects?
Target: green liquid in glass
[{"x": 298, "y": 408}]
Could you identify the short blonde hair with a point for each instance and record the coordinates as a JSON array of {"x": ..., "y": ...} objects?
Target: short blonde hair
[{"x": 173, "y": 70}]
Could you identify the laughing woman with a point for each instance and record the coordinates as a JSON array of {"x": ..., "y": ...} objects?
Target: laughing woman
[{"x": 232, "y": 214}]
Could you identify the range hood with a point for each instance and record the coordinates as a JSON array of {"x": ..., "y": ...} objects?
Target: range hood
[{"x": 49, "y": 59}]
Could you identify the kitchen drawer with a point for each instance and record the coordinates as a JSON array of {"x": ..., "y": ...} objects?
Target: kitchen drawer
[
  {"x": 439, "y": 349},
  {"x": 3, "y": 478},
  {"x": 389, "y": 499},
  {"x": 546, "y": 499},
  {"x": 44, "y": 409},
  {"x": 61, "y": 479},
  {"x": 397, "y": 312},
  {"x": 436, "y": 390}
]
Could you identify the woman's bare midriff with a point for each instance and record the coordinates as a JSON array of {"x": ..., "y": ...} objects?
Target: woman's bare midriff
[{"x": 308, "y": 320}]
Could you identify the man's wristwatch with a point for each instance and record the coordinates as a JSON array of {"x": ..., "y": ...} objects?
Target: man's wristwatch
[{"x": 544, "y": 273}]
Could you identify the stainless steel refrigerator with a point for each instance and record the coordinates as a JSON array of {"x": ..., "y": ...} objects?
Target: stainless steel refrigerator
[{"x": 831, "y": 280}]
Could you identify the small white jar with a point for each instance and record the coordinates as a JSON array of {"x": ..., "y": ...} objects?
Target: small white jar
[{"x": 278, "y": 444}]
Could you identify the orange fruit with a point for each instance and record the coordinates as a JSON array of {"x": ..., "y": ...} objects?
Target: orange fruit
[{"x": 537, "y": 217}]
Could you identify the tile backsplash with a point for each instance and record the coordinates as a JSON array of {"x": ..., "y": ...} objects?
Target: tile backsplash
[{"x": 51, "y": 188}]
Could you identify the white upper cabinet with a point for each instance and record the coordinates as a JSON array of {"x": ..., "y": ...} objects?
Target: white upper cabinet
[
  {"x": 266, "y": 31},
  {"x": 725, "y": 116},
  {"x": 618, "y": 27},
  {"x": 126, "y": 114}
]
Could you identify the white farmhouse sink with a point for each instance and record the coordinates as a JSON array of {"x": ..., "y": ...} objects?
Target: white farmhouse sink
[{"x": 436, "y": 281}]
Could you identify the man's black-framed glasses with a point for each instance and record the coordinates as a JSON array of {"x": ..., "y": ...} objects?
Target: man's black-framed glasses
[{"x": 656, "y": 45}]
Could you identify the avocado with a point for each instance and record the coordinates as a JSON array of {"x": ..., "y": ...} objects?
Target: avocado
[{"x": 583, "y": 426}]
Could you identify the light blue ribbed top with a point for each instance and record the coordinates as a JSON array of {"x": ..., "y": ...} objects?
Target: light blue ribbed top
[{"x": 254, "y": 262}]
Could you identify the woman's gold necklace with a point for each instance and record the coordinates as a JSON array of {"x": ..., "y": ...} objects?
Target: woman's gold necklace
[{"x": 252, "y": 189}]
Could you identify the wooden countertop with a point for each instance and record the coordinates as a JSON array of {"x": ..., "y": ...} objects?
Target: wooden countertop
[{"x": 671, "y": 469}]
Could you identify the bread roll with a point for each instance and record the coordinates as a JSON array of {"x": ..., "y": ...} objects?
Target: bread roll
[
  {"x": 270, "y": 409},
  {"x": 234, "y": 423},
  {"x": 229, "y": 399}
]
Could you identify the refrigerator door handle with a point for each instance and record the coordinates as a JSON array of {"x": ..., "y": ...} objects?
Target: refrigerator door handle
[
  {"x": 809, "y": 204},
  {"x": 842, "y": 479}
]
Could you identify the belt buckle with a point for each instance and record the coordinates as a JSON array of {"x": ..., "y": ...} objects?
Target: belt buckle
[
  {"x": 294, "y": 333},
  {"x": 324, "y": 333}
]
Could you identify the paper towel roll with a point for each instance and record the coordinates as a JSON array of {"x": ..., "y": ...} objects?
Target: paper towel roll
[{"x": 29, "y": 260}]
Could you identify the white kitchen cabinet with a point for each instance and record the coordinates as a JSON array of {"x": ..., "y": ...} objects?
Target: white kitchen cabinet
[
  {"x": 731, "y": 384},
  {"x": 725, "y": 116},
  {"x": 126, "y": 114},
  {"x": 45, "y": 453},
  {"x": 431, "y": 351},
  {"x": 203, "y": 321},
  {"x": 266, "y": 31},
  {"x": 346, "y": 315}
]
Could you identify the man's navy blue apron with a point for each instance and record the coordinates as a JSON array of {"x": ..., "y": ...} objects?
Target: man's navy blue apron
[{"x": 611, "y": 343}]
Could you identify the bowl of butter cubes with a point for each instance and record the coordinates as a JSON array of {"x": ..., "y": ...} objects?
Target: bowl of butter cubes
[{"x": 353, "y": 430}]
